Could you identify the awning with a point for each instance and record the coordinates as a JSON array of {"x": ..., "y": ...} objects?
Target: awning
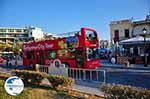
[{"x": 135, "y": 40}]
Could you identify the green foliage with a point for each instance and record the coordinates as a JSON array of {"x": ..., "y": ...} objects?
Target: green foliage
[
  {"x": 18, "y": 48},
  {"x": 34, "y": 93},
  {"x": 60, "y": 81},
  {"x": 34, "y": 77},
  {"x": 5, "y": 47},
  {"x": 124, "y": 92},
  {"x": 4, "y": 76},
  {"x": 30, "y": 77}
]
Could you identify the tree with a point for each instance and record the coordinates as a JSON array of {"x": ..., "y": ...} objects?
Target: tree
[
  {"x": 5, "y": 47},
  {"x": 18, "y": 48}
]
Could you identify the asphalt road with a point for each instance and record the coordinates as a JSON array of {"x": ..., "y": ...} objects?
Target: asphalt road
[{"x": 138, "y": 78}]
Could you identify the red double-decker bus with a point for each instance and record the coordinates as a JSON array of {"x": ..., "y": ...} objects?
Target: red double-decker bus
[{"x": 77, "y": 51}]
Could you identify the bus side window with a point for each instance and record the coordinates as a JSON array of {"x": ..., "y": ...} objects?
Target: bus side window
[
  {"x": 28, "y": 54},
  {"x": 51, "y": 54}
]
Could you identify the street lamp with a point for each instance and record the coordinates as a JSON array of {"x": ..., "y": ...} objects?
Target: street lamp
[{"x": 145, "y": 57}]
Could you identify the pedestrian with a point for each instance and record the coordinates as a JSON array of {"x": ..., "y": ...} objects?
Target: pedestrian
[{"x": 7, "y": 61}]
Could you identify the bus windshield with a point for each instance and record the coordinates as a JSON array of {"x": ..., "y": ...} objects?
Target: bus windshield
[
  {"x": 90, "y": 35},
  {"x": 92, "y": 53}
]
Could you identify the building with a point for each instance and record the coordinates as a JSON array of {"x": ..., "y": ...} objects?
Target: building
[
  {"x": 35, "y": 33},
  {"x": 134, "y": 44},
  {"x": 139, "y": 25},
  {"x": 10, "y": 35},
  {"x": 125, "y": 29},
  {"x": 120, "y": 30}
]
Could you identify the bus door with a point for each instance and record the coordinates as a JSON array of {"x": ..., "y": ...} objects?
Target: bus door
[
  {"x": 30, "y": 58},
  {"x": 79, "y": 58},
  {"x": 40, "y": 58}
]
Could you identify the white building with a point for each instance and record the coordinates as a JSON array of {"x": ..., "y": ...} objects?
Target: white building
[
  {"x": 35, "y": 33},
  {"x": 125, "y": 29},
  {"x": 9, "y": 34},
  {"x": 120, "y": 30}
]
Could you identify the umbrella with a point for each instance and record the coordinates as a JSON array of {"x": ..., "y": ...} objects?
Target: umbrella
[{"x": 135, "y": 40}]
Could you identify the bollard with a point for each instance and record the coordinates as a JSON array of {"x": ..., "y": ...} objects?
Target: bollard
[{"x": 37, "y": 67}]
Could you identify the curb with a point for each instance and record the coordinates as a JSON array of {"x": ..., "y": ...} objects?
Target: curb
[{"x": 134, "y": 68}]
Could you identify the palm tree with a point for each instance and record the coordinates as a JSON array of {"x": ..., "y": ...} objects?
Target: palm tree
[
  {"x": 5, "y": 47},
  {"x": 18, "y": 48}
]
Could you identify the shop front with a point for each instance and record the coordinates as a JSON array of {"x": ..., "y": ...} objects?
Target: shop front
[{"x": 134, "y": 50}]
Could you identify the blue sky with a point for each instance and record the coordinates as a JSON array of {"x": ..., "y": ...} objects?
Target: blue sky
[{"x": 59, "y": 16}]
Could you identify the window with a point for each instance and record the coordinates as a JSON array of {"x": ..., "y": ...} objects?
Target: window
[
  {"x": 18, "y": 30},
  {"x": 10, "y": 35},
  {"x": 126, "y": 31},
  {"x": 90, "y": 35},
  {"x": 2, "y": 30},
  {"x": 22, "y": 35},
  {"x": 116, "y": 35},
  {"x": 10, "y": 30},
  {"x": 51, "y": 55},
  {"x": 24, "y": 30}
]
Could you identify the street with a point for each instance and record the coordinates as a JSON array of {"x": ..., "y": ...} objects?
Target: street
[
  {"x": 133, "y": 77},
  {"x": 138, "y": 78}
]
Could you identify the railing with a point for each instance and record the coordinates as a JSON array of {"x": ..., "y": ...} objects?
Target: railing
[
  {"x": 87, "y": 74},
  {"x": 42, "y": 68},
  {"x": 95, "y": 75}
]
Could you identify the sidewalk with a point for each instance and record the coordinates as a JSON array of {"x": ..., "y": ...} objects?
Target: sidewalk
[
  {"x": 84, "y": 86},
  {"x": 105, "y": 63},
  {"x": 88, "y": 87}
]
